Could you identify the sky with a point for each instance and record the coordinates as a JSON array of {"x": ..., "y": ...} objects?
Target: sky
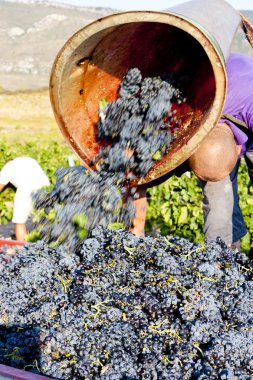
[{"x": 146, "y": 4}]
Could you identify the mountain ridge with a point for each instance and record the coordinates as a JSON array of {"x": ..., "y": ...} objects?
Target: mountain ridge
[{"x": 55, "y": 4}]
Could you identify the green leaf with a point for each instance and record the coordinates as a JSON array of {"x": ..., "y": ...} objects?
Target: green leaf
[
  {"x": 166, "y": 212},
  {"x": 157, "y": 155},
  {"x": 115, "y": 226},
  {"x": 183, "y": 215},
  {"x": 82, "y": 234},
  {"x": 54, "y": 244},
  {"x": 103, "y": 103},
  {"x": 80, "y": 220},
  {"x": 51, "y": 215},
  {"x": 33, "y": 236}
]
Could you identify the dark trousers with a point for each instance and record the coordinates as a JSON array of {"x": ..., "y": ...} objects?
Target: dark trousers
[{"x": 222, "y": 214}]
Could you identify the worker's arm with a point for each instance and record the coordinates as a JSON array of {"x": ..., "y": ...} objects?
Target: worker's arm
[
  {"x": 2, "y": 187},
  {"x": 140, "y": 204}
]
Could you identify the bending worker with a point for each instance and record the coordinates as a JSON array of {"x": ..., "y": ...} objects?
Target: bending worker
[
  {"x": 26, "y": 175},
  {"x": 217, "y": 160}
]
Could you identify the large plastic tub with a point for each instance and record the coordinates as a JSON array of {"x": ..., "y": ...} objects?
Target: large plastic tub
[
  {"x": 6, "y": 372},
  {"x": 9, "y": 373},
  {"x": 11, "y": 243}
]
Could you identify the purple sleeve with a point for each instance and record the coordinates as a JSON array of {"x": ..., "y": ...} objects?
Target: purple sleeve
[{"x": 240, "y": 137}]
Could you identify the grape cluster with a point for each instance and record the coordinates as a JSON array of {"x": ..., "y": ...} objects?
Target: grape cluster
[
  {"x": 79, "y": 201},
  {"x": 121, "y": 307},
  {"x": 137, "y": 125}
]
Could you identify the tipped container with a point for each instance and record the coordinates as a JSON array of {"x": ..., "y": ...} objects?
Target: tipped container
[{"x": 191, "y": 40}]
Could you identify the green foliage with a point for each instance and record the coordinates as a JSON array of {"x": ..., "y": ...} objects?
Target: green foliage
[
  {"x": 157, "y": 155},
  {"x": 245, "y": 191},
  {"x": 175, "y": 208},
  {"x": 103, "y": 103},
  {"x": 33, "y": 236},
  {"x": 50, "y": 156},
  {"x": 80, "y": 221},
  {"x": 6, "y": 205},
  {"x": 115, "y": 226}
]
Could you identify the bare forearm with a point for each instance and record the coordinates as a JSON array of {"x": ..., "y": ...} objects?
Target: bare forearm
[
  {"x": 2, "y": 187},
  {"x": 140, "y": 205}
]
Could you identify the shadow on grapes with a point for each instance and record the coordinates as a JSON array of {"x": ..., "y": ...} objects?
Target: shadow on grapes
[{"x": 20, "y": 347}]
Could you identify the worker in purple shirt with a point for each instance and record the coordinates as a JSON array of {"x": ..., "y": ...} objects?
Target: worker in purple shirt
[{"x": 217, "y": 160}]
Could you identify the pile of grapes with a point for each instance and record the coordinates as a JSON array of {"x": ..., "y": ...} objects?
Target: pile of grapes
[
  {"x": 114, "y": 306},
  {"x": 136, "y": 130},
  {"x": 122, "y": 307}
]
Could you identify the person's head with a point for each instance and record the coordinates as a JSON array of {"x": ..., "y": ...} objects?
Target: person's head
[{"x": 217, "y": 154}]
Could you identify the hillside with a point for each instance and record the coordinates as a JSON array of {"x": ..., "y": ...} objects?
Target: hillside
[
  {"x": 30, "y": 37},
  {"x": 31, "y": 34}
]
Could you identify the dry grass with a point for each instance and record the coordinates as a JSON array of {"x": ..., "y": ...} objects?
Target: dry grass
[{"x": 25, "y": 116}]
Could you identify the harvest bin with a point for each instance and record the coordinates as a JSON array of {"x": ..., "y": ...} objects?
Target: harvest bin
[
  {"x": 11, "y": 243},
  {"x": 9, "y": 373},
  {"x": 6, "y": 372},
  {"x": 191, "y": 40}
]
